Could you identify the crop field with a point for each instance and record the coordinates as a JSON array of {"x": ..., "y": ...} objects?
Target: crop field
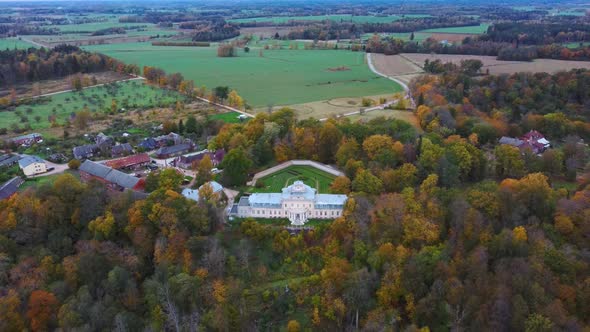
[
  {"x": 476, "y": 29},
  {"x": 130, "y": 94},
  {"x": 418, "y": 36},
  {"x": 311, "y": 176},
  {"x": 11, "y": 43},
  {"x": 337, "y": 18},
  {"x": 263, "y": 77},
  {"x": 495, "y": 66}
]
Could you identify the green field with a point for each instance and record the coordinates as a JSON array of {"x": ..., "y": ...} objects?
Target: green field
[
  {"x": 228, "y": 117},
  {"x": 129, "y": 94},
  {"x": 418, "y": 36},
  {"x": 477, "y": 29},
  {"x": 337, "y": 18},
  {"x": 11, "y": 43},
  {"x": 311, "y": 176},
  {"x": 278, "y": 77},
  {"x": 576, "y": 44}
]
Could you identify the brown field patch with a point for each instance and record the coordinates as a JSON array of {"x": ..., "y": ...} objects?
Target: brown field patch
[
  {"x": 451, "y": 37},
  {"x": 500, "y": 67}
]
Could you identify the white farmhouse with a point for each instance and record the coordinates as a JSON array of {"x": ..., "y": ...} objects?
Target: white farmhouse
[
  {"x": 298, "y": 203},
  {"x": 32, "y": 165}
]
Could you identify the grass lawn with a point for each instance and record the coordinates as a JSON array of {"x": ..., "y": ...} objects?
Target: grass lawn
[
  {"x": 39, "y": 181},
  {"x": 311, "y": 176},
  {"x": 11, "y": 43},
  {"x": 228, "y": 117},
  {"x": 337, "y": 18},
  {"x": 476, "y": 29},
  {"x": 278, "y": 77},
  {"x": 130, "y": 94}
]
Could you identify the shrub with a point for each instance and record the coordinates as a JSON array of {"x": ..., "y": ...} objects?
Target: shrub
[{"x": 74, "y": 164}]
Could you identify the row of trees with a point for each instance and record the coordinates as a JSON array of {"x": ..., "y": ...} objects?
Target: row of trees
[{"x": 27, "y": 66}]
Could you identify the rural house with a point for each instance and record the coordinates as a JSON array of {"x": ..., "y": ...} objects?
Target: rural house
[
  {"x": 8, "y": 160},
  {"x": 173, "y": 151},
  {"x": 167, "y": 140},
  {"x": 121, "y": 150},
  {"x": 85, "y": 151},
  {"x": 129, "y": 162},
  {"x": 103, "y": 140},
  {"x": 26, "y": 139},
  {"x": 148, "y": 144},
  {"x": 10, "y": 187},
  {"x": 115, "y": 180},
  {"x": 532, "y": 140},
  {"x": 187, "y": 161},
  {"x": 32, "y": 165},
  {"x": 193, "y": 194}
]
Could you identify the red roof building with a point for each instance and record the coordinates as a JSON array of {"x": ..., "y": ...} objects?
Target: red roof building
[{"x": 132, "y": 161}]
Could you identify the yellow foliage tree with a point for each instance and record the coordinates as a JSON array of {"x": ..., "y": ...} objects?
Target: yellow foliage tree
[
  {"x": 102, "y": 226},
  {"x": 235, "y": 100},
  {"x": 519, "y": 234}
]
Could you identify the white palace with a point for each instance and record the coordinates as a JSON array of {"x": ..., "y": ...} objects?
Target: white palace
[{"x": 298, "y": 203}]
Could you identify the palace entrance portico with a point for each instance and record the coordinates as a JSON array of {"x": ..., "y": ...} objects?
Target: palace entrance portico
[{"x": 297, "y": 217}]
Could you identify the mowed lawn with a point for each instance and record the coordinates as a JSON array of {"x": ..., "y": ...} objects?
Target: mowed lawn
[
  {"x": 130, "y": 94},
  {"x": 12, "y": 43},
  {"x": 311, "y": 176},
  {"x": 278, "y": 77},
  {"x": 336, "y": 18},
  {"x": 228, "y": 117}
]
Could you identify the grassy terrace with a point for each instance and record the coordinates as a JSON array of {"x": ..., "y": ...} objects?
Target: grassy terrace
[
  {"x": 311, "y": 176},
  {"x": 263, "y": 77}
]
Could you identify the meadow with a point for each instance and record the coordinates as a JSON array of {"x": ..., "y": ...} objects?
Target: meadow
[
  {"x": 475, "y": 29},
  {"x": 11, "y": 43},
  {"x": 311, "y": 176},
  {"x": 263, "y": 77},
  {"x": 130, "y": 94},
  {"x": 336, "y": 18}
]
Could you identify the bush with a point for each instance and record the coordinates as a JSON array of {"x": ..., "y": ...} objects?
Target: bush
[{"x": 74, "y": 164}]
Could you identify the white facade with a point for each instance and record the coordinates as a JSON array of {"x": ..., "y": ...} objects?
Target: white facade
[
  {"x": 32, "y": 165},
  {"x": 298, "y": 203}
]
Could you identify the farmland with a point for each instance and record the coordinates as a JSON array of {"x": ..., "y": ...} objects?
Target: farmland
[
  {"x": 311, "y": 176},
  {"x": 496, "y": 66},
  {"x": 336, "y": 18},
  {"x": 11, "y": 43},
  {"x": 263, "y": 77},
  {"x": 128, "y": 94},
  {"x": 477, "y": 29}
]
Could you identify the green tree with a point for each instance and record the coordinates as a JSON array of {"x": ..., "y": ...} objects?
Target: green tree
[
  {"x": 509, "y": 162},
  {"x": 235, "y": 167},
  {"x": 367, "y": 183}
]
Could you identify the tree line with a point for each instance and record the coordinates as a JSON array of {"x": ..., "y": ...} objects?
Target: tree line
[{"x": 27, "y": 66}]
